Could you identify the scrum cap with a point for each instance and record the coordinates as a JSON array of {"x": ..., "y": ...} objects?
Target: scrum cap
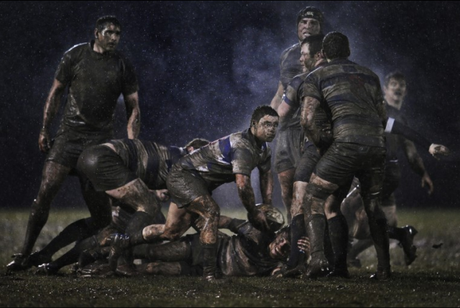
[
  {"x": 310, "y": 12},
  {"x": 274, "y": 216}
]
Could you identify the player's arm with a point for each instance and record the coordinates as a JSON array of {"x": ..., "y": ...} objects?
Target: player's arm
[
  {"x": 416, "y": 163},
  {"x": 51, "y": 108},
  {"x": 396, "y": 127},
  {"x": 266, "y": 185},
  {"x": 133, "y": 113},
  {"x": 277, "y": 99},
  {"x": 307, "y": 119},
  {"x": 232, "y": 224},
  {"x": 247, "y": 197}
]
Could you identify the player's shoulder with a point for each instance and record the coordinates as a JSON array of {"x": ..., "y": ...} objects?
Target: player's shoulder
[
  {"x": 77, "y": 48},
  {"x": 290, "y": 49}
]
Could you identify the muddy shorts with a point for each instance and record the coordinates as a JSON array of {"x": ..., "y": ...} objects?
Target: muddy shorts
[
  {"x": 288, "y": 149},
  {"x": 184, "y": 186},
  {"x": 68, "y": 145},
  {"x": 307, "y": 163},
  {"x": 104, "y": 168},
  {"x": 344, "y": 160}
]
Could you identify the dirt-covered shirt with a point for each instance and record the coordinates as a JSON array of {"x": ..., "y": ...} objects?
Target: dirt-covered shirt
[
  {"x": 218, "y": 162},
  {"x": 352, "y": 93},
  {"x": 149, "y": 160},
  {"x": 246, "y": 254},
  {"x": 290, "y": 65},
  {"x": 95, "y": 82}
]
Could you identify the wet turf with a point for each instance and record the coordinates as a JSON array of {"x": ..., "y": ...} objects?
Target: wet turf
[{"x": 432, "y": 280}]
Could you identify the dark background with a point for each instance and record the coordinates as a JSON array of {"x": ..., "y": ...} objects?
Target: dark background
[{"x": 204, "y": 66}]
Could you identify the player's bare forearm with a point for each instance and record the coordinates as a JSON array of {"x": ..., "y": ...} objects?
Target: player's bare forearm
[
  {"x": 307, "y": 119},
  {"x": 134, "y": 115},
  {"x": 245, "y": 192},
  {"x": 415, "y": 161},
  {"x": 277, "y": 99},
  {"x": 266, "y": 186},
  {"x": 52, "y": 103}
]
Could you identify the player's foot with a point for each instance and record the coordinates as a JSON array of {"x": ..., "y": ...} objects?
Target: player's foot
[
  {"x": 19, "y": 263},
  {"x": 340, "y": 273},
  {"x": 48, "y": 269},
  {"x": 37, "y": 258},
  {"x": 318, "y": 267},
  {"x": 287, "y": 272},
  {"x": 381, "y": 274},
  {"x": 215, "y": 280}
]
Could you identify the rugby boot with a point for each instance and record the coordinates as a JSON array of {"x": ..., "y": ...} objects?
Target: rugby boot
[
  {"x": 19, "y": 263},
  {"x": 379, "y": 234},
  {"x": 210, "y": 273},
  {"x": 38, "y": 258},
  {"x": 48, "y": 269},
  {"x": 381, "y": 274}
]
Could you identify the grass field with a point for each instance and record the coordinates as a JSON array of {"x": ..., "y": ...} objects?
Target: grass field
[{"x": 433, "y": 280}]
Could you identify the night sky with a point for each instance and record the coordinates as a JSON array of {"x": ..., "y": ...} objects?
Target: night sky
[{"x": 204, "y": 66}]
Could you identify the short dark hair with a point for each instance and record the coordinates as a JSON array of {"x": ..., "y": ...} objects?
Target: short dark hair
[
  {"x": 315, "y": 42},
  {"x": 397, "y": 75},
  {"x": 285, "y": 231},
  {"x": 336, "y": 45},
  {"x": 262, "y": 111},
  {"x": 108, "y": 19},
  {"x": 197, "y": 143}
]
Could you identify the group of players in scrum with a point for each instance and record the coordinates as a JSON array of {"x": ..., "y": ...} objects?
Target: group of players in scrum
[{"x": 132, "y": 174}]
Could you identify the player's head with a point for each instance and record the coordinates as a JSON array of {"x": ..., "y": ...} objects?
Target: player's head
[
  {"x": 310, "y": 51},
  {"x": 336, "y": 45},
  {"x": 309, "y": 22},
  {"x": 107, "y": 34},
  {"x": 280, "y": 247},
  {"x": 264, "y": 123},
  {"x": 395, "y": 88},
  {"x": 396, "y": 75}
]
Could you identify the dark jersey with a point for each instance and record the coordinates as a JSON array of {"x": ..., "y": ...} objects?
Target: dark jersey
[
  {"x": 292, "y": 98},
  {"x": 95, "y": 82},
  {"x": 218, "y": 162},
  {"x": 149, "y": 160},
  {"x": 352, "y": 93},
  {"x": 246, "y": 254},
  {"x": 290, "y": 65}
]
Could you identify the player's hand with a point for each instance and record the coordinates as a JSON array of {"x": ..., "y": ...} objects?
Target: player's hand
[
  {"x": 428, "y": 183},
  {"x": 304, "y": 243},
  {"x": 44, "y": 143},
  {"x": 438, "y": 150},
  {"x": 258, "y": 219}
]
